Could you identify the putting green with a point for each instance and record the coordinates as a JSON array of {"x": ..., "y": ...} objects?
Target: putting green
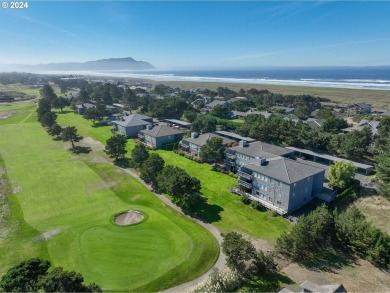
[{"x": 66, "y": 204}]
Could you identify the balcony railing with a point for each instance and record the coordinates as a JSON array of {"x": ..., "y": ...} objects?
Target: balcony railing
[
  {"x": 245, "y": 175},
  {"x": 230, "y": 156},
  {"x": 244, "y": 184}
]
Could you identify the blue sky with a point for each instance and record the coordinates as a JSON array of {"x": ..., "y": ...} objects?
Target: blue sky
[{"x": 199, "y": 34}]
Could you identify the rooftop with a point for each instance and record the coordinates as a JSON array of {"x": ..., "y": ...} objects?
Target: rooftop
[
  {"x": 234, "y": 136},
  {"x": 160, "y": 131},
  {"x": 203, "y": 138},
  {"x": 178, "y": 122},
  {"x": 329, "y": 157},
  {"x": 133, "y": 120},
  {"x": 262, "y": 150},
  {"x": 285, "y": 170}
]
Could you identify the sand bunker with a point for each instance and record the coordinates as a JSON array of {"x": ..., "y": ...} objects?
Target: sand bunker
[{"x": 129, "y": 218}]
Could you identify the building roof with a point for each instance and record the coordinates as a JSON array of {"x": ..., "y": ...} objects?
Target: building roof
[
  {"x": 285, "y": 170},
  {"x": 160, "y": 131},
  {"x": 133, "y": 120},
  {"x": 264, "y": 113},
  {"x": 215, "y": 103},
  {"x": 178, "y": 122},
  {"x": 315, "y": 123},
  {"x": 203, "y": 138},
  {"x": 372, "y": 124},
  {"x": 262, "y": 150},
  {"x": 286, "y": 109},
  {"x": 311, "y": 287},
  {"x": 234, "y": 136},
  {"x": 329, "y": 157}
]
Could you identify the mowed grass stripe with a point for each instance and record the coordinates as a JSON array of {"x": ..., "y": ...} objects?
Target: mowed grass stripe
[
  {"x": 60, "y": 192},
  {"x": 225, "y": 210}
]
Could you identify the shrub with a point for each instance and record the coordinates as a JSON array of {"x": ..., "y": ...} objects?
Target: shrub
[
  {"x": 257, "y": 205},
  {"x": 272, "y": 213},
  {"x": 245, "y": 199}
]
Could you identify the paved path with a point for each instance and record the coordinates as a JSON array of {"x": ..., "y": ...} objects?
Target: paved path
[{"x": 220, "y": 264}]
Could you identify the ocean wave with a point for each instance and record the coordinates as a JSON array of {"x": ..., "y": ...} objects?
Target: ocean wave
[{"x": 371, "y": 84}]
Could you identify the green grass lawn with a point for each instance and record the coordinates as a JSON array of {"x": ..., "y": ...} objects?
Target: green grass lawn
[
  {"x": 74, "y": 199},
  {"x": 224, "y": 209}
]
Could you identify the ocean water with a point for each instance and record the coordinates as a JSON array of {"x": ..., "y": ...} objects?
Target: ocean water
[{"x": 376, "y": 78}]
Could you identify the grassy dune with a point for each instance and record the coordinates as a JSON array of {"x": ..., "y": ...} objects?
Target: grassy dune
[{"x": 63, "y": 209}]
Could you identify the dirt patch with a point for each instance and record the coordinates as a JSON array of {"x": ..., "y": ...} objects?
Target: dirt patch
[
  {"x": 48, "y": 234},
  {"x": 93, "y": 144},
  {"x": 129, "y": 218},
  {"x": 5, "y": 115},
  {"x": 17, "y": 189},
  {"x": 359, "y": 277}
]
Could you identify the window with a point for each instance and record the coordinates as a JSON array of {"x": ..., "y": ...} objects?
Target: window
[{"x": 293, "y": 195}]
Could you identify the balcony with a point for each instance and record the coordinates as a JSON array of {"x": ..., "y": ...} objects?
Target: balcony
[
  {"x": 244, "y": 184},
  {"x": 185, "y": 147},
  {"x": 245, "y": 175},
  {"x": 230, "y": 156}
]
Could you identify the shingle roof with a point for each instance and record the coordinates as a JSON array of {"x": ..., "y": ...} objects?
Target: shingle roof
[
  {"x": 133, "y": 120},
  {"x": 215, "y": 103},
  {"x": 203, "y": 138},
  {"x": 285, "y": 170},
  {"x": 161, "y": 130},
  {"x": 315, "y": 123},
  {"x": 261, "y": 149}
]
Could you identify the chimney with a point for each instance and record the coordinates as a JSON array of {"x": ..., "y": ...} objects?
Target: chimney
[
  {"x": 242, "y": 143},
  {"x": 194, "y": 135},
  {"x": 149, "y": 127},
  {"x": 260, "y": 161}
]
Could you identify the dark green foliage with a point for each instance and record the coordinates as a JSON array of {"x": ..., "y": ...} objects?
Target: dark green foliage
[
  {"x": 190, "y": 116},
  {"x": 358, "y": 235},
  {"x": 48, "y": 93},
  {"x": 245, "y": 199},
  {"x": 353, "y": 145},
  {"x": 309, "y": 236},
  {"x": 303, "y": 111},
  {"x": 221, "y": 111},
  {"x": 243, "y": 105},
  {"x": 60, "y": 103},
  {"x": 334, "y": 125},
  {"x": 324, "y": 114},
  {"x": 43, "y": 108},
  {"x": 139, "y": 155},
  {"x": 204, "y": 124},
  {"x": 55, "y": 130},
  {"x": 384, "y": 189},
  {"x": 33, "y": 276},
  {"x": 83, "y": 96},
  {"x": 25, "y": 276},
  {"x": 173, "y": 107},
  {"x": 151, "y": 168},
  {"x": 382, "y": 140},
  {"x": 213, "y": 150},
  {"x": 238, "y": 251},
  {"x": 92, "y": 114},
  {"x": 59, "y": 280},
  {"x": 116, "y": 146},
  {"x": 48, "y": 119},
  {"x": 382, "y": 166},
  {"x": 70, "y": 134},
  {"x": 264, "y": 264},
  {"x": 184, "y": 189},
  {"x": 258, "y": 206}
]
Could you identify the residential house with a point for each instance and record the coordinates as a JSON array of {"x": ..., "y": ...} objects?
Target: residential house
[
  {"x": 234, "y": 136},
  {"x": 371, "y": 124},
  {"x": 309, "y": 287},
  {"x": 246, "y": 153},
  {"x": 359, "y": 108},
  {"x": 160, "y": 135},
  {"x": 131, "y": 125},
  {"x": 214, "y": 103},
  {"x": 237, "y": 114},
  {"x": 232, "y": 100},
  {"x": 194, "y": 143},
  {"x": 285, "y": 110},
  {"x": 314, "y": 123},
  {"x": 111, "y": 109},
  {"x": 81, "y": 108},
  {"x": 256, "y": 112},
  {"x": 281, "y": 184}
]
